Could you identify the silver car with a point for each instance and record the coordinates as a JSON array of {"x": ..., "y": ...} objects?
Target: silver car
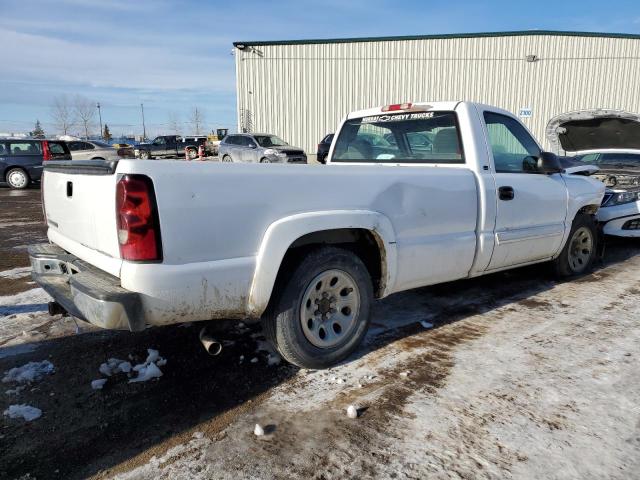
[
  {"x": 92, "y": 150},
  {"x": 259, "y": 148}
]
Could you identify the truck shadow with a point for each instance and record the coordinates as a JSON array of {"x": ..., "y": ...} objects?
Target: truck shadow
[{"x": 83, "y": 431}]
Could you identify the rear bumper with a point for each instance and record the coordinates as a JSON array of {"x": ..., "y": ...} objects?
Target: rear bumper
[{"x": 85, "y": 292}]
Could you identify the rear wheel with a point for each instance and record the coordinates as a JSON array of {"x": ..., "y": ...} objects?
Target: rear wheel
[
  {"x": 144, "y": 155},
  {"x": 265, "y": 160},
  {"x": 579, "y": 252},
  {"x": 192, "y": 153},
  {"x": 17, "y": 179},
  {"x": 227, "y": 159},
  {"x": 321, "y": 313}
]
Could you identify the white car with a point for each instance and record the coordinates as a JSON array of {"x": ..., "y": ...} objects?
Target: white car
[
  {"x": 608, "y": 143},
  {"x": 308, "y": 249}
]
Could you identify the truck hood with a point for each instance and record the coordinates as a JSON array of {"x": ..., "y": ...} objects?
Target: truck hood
[{"x": 589, "y": 130}]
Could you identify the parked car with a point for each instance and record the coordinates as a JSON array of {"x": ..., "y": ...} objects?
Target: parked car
[
  {"x": 174, "y": 146},
  {"x": 607, "y": 141},
  {"x": 21, "y": 160},
  {"x": 259, "y": 148},
  {"x": 131, "y": 247},
  {"x": 92, "y": 150},
  {"x": 323, "y": 148},
  {"x": 619, "y": 169}
]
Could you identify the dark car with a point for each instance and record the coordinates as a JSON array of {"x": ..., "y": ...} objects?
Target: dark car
[
  {"x": 323, "y": 148},
  {"x": 174, "y": 146},
  {"x": 21, "y": 159}
]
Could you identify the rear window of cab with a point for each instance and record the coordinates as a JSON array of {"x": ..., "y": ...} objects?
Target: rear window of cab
[{"x": 411, "y": 137}]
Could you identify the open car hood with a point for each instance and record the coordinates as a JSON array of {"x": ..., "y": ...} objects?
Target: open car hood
[{"x": 576, "y": 132}]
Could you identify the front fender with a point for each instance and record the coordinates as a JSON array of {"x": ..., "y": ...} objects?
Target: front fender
[{"x": 281, "y": 234}]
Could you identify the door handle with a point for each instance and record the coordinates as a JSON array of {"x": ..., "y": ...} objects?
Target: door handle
[{"x": 506, "y": 193}]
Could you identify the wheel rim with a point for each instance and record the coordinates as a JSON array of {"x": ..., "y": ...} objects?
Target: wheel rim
[
  {"x": 265, "y": 160},
  {"x": 580, "y": 249},
  {"x": 144, "y": 155},
  {"x": 226, "y": 158},
  {"x": 17, "y": 179},
  {"x": 192, "y": 154},
  {"x": 329, "y": 308}
]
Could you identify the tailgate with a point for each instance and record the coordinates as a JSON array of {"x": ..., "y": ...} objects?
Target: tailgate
[{"x": 79, "y": 199}]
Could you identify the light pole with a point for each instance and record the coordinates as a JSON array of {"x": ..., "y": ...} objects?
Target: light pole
[
  {"x": 144, "y": 129},
  {"x": 100, "y": 115}
]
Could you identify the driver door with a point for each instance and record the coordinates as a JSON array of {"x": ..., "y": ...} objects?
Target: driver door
[{"x": 531, "y": 206}]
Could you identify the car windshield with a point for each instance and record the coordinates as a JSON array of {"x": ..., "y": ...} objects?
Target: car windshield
[
  {"x": 269, "y": 141},
  {"x": 416, "y": 137}
]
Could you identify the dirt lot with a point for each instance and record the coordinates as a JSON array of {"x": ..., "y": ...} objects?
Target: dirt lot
[{"x": 519, "y": 377}]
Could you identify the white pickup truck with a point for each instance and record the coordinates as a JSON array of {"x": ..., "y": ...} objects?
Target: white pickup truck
[{"x": 412, "y": 195}]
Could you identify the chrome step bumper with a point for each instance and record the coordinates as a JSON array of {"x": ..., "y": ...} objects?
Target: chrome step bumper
[{"x": 84, "y": 291}]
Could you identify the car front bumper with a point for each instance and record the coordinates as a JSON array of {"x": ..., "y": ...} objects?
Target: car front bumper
[
  {"x": 84, "y": 291},
  {"x": 621, "y": 220}
]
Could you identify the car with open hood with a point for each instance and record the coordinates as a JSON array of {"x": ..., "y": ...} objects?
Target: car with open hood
[{"x": 607, "y": 141}]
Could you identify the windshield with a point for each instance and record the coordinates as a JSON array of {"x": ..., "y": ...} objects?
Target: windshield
[
  {"x": 424, "y": 137},
  {"x": 613, "y": 159},
  {"x": 269, "y": 141}
]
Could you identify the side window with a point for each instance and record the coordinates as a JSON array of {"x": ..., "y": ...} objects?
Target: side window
[
  {"x": 56, "y": 148},
  {"x": 242, "y": 141},
  {"x": 3, "y": 149},
  {"x": 25, "y": 148},
  {"x": 514, "y": 150},
  {"x": 87, "y": 146},
  {"x": 230, "y": 140}
]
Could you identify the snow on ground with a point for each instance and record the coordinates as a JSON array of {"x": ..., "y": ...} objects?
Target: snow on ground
[
  {"x": 545, "y": 385},
  {"x": 26, "y": 412},
  {"x": 143, "y": 372},
  {"x": 34, "y": 300},
  {"x": 14, "y": 273},
  {"x": 29, "y": 372}
]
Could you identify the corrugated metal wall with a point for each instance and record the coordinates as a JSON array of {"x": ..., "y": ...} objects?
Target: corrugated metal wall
[{"x": 302, "y": 91}]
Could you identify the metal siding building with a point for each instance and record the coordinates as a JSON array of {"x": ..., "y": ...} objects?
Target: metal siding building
[{"x": 300, "y": 90}]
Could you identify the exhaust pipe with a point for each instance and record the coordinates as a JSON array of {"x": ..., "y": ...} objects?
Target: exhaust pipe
[
  {"x": 210, "y": 344},
  {"x": 56, "y": 309}
]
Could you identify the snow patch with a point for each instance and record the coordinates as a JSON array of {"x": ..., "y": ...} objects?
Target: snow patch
[
  {"x": 27, "y": 412},
  {"x": 352, "y": 412},
  {"x": 258, "y": 431},
  {"x": 15, "y": 273},
  {"x": 29, "y": 372},
  {"x": 98, "y": 384},
  {"x": 426, "y": 325},
  {"x": 146, "y": 372}
]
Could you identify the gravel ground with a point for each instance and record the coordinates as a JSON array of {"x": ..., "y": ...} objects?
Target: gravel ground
[{"x": 513, "y": 375}]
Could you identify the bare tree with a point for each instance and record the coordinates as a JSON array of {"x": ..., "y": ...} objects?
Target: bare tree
[
  {"x": 85, "y": 110},
  {"x": 63, "y": 114},
  {"x": 174, "y": 123},
  {"x": 197, "y": 119}
]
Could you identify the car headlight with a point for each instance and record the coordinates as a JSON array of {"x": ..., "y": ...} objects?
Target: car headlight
[{"x": 620, "y": 198}]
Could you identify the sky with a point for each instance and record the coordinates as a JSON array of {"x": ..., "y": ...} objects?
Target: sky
[{"x": 175, "y": 55}]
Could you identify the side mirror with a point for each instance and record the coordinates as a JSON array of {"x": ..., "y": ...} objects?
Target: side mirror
[
  {"x": 253, "y": 145},
  {"x": 549, "y": 163}
]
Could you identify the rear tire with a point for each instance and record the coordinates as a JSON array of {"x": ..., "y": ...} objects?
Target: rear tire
[
  {"x": 227, "y": 159},
  {"x": 321, "y": 312},
  {"x": 193, "y": 153},
  {"x": 144, "y": 155},
  {"x": 579, "y": 252},
  {"x": 17, "y": 179},
  {"x": 265, "y": 160}
]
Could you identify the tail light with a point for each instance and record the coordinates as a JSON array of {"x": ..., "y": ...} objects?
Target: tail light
[
  {"x": 46, "y": 153},
  {"x": 137, "y": 218}
]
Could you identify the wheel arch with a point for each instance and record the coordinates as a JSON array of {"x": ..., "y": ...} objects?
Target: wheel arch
[{"x": 298, "y": 231}]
